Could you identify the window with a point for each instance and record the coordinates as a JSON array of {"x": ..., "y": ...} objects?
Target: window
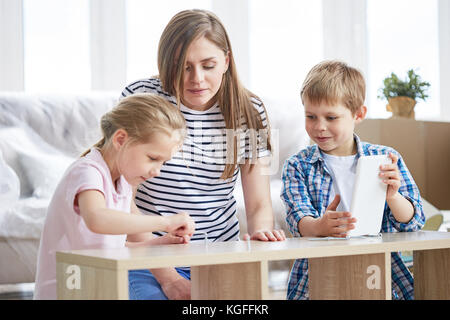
[
  {"x": 403, "y": 34},
  {"x": 67, "y": 44},
  {"x": 56, "y": 45},
  {"x": 146, "y": 21},
  {"x": 285, "y": 43}
]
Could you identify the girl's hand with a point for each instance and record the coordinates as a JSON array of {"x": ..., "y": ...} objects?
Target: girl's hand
[
  {"x": 181, "y": 225},
  {"x": 391, "y": 176},
  {"x": 335, "y": 223},
  {"x": 266, "y": 235}
]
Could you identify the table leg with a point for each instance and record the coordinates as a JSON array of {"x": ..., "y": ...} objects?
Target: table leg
[
  {"x": 83, "y": 282},
  {"x": 431, "y": 274},
  {"x": 238, "y": 281},
  {"x": 350, "y": 277}
]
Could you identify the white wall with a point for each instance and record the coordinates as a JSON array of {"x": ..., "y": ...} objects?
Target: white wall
[
  {"x": 11, "y": 46},
  {"x": 444, "y": 57},
  {"x": 108, "y": 44}
]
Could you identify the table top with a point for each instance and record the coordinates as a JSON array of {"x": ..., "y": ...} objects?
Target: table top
[{"x": 193, "y": 254}]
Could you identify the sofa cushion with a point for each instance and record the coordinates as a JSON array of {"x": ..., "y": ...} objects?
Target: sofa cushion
[
  {"x": 44, "y": 171},
  {"x": 36, "y": 163},
  {"x": 9, "y": 185},
  {"x": 41, "y": 133},
  {"x": 69, "y": 123}
]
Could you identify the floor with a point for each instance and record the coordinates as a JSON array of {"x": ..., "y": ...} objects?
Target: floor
[
  {"x": 24, "y": 291},
  {"x": 19, "y": 292},
  {"x": 278, "y": 284}
]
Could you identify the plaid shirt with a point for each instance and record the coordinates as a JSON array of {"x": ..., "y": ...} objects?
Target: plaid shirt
[{"x": 305, "y": 192}]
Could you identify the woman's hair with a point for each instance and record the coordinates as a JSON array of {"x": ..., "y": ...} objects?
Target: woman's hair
[
  {"x": 233, "y": 98},
  {"x": 334, "y": 82},
  {"x": 141, "y": 115}
]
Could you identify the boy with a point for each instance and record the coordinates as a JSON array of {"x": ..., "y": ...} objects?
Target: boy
[{"x": 318, "y": 181}]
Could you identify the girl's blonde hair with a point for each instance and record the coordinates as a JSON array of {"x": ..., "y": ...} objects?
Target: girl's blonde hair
[
  {"x": 233, "y": 98},
  {"x": 334, "y": 82},
  {"x": 141, "y": 115}
]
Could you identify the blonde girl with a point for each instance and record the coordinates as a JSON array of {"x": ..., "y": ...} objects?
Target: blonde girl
[
  {"x": 92, "y": 206},
  {"x": 198, "y": 75}
]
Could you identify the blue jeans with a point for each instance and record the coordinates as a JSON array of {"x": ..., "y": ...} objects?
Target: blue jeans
[{"x": 142, "y": 285}]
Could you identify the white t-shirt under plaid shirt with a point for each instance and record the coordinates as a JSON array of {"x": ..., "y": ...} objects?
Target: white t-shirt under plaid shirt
[
  {"x": 306, "y": 192},
  {"x": 190, "y": 182}
]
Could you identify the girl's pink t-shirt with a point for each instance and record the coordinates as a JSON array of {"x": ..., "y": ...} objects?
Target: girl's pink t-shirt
[{"x": 64, "y": 228}]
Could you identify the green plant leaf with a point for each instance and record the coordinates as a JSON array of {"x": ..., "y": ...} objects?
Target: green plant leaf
[{"x": 412, "y": 87}]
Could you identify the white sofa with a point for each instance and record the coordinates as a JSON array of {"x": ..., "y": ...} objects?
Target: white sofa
[{"x": 40, "y": 135}]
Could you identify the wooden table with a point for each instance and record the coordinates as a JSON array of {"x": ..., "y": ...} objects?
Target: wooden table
[{"x": 338, "y": 269}]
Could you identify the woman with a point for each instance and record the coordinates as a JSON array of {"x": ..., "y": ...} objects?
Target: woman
[{"x": 227, "y": 130}]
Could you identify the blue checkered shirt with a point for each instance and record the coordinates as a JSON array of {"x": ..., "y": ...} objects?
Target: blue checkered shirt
[{"x": 305, "y": 192}]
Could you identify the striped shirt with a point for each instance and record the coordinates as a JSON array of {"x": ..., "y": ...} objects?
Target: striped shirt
[
  {"x": 306, "y": 192},
  {"x": 190, "y": 182}
]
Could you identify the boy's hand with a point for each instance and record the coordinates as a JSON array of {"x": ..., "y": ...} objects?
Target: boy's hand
[
  {"x": 335, "y": 223},
  {"x": 181, "y": 225},
  {"x": 391, "y": 176}
]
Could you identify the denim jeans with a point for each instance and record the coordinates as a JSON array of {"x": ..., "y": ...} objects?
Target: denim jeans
[{"x": 142, "y": 285}]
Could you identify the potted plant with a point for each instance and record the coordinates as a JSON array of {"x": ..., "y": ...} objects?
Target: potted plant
[{"x": 402, "y": 95}]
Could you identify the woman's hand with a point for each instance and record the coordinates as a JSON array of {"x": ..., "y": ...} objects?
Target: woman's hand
[
  {"x": 266, "y": 235},
  {"x": 258, "y": 204}
]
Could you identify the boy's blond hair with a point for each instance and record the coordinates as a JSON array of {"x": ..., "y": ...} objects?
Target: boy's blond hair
[{"x": 334, "y": 82}]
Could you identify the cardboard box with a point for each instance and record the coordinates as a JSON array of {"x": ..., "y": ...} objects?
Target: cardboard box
[{"x": 425, "y": 147}]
